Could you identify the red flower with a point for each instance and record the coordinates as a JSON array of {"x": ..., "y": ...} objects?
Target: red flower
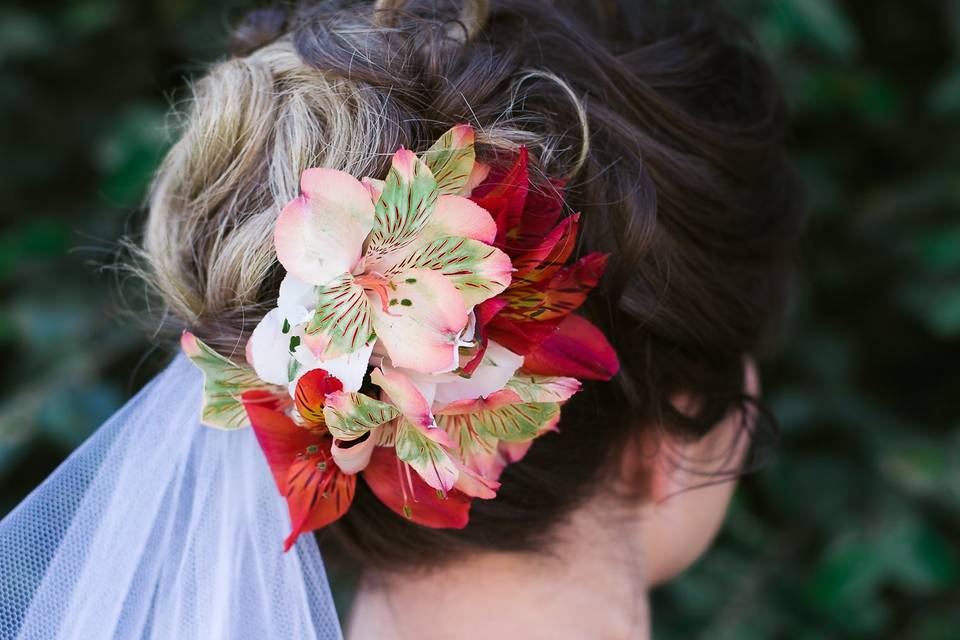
[
  {"x": 534, "y": 315},
  {"x": 317, "y": 491}
]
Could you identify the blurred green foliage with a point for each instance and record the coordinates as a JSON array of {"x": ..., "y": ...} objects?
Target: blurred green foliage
[{"x": 850, "y": 533}]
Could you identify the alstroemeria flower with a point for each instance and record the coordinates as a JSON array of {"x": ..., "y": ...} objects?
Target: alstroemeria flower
[
  {"x": 303, "y": 457},
  {"x": 543, "y": 293},
  {"x": 493, "y": 431},
  {"x": 404, "y": 267},
  {"x": 463, "y": 306}
]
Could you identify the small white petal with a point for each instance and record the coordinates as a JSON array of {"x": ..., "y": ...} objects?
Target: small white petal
[
  {"x": 297, "y": 299},
  {"x": 353, "y": 459},
  {"x": 350, "y": 369},
  {"x": 269, "y": 349},
  {"x": 498, "y": 366}
]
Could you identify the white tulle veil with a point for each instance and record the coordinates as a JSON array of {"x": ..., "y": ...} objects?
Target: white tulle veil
[{"x": 159, "y": 527}]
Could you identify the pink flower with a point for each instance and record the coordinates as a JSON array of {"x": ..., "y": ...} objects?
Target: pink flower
[{"x": 403, "y": 266}]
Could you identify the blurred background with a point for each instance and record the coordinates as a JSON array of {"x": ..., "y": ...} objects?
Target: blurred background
[{"x": 851, "y": 531}]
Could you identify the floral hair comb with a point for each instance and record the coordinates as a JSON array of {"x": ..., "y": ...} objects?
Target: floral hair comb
[{"x": 424, "y": 336}]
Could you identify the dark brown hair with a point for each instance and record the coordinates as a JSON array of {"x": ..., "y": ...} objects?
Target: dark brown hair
[{"x": 669, "y": 128}]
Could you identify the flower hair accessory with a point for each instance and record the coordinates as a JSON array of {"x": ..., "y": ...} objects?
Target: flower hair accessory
[{"x": 423, "y": 337}]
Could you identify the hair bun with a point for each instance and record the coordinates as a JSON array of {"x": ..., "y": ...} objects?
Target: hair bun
[
  {"x": 258, "y": 27},
  {"x": 473, "y": 16}
]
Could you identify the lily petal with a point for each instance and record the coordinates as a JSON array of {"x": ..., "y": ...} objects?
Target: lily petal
[
  {"x": 418, "y": 448},
  {"x": 577, "y": 349},
  {"x": 297, "y": 299},
  {"x": 278, "y": 435},
  {"x": 350, "y": 415},
  {"x": 476, "y": 484},
  {"x": 546, "y": 258},
  {"x": 223, "y": 384},
  {"x": 478, "y": 175},
  {"x": 503, "y": 415},
  {"x": 311, "y": 394},
  {"x": 353, "y": 456},
  {"x": 341, "y": 323},
  {"x": 451, "y": 158},
  {"x": 456, "y": 216},
  {"x": 318, "y": 493},
  {"x": 405, "y": 206},
  {"x": 409, "y": 496},
  {"x": 320, "y": 235},
  {"x": 533, "y": 388},
  {"x": 503, "y": 194},
  {"x": 421, "y": 326},
  {"x": 563, "y": 294},
  {"x": 269, "y": 348},
  {"x": 401, "y": 391},
  {"x": 479, "y": 271},
  {"x": 496, "y": 369}
]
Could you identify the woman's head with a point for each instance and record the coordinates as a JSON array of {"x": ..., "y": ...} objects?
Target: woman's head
[{"x": 664, "y": 123}]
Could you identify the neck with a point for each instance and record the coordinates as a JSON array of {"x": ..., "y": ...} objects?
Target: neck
[{"x": 591, "y": 584}]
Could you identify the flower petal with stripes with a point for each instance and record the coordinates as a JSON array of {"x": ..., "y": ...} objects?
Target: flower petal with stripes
[
  {"x": 563, "y": 295},
  {"x": 401, "y": 391},
  {"x": 350, "y": 415},
  {"x": 503, "y": 416},
  {"x": 224, "y": 382},
  {"x": 311, "y": 394},
  {"x": 451, "y": 159},
  {"x": 406, "y": 203},
  {"x": 534, "y": 388},
  {"x": 341, "y": 323},
  {"x": 410, "y": 497},
  {"x": 546, "y": 258},
  {"x": 422, "y": 322},
  {"x": 318, "y": 492},
  {"x": 428, "y": 458},
  {"x": 479, "y": 271},
  {"x": 477, "y": 449}
]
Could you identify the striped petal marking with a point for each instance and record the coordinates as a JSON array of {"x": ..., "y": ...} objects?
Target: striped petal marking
[
  {"x": 451, "y": 159},
  {"x": 535, "y": 388},
  {"x": 429, "y": 458},
  {"x": 311, "y": 393},
  {"x": 317, "y": 491},
  {"x": 406, "y": 203},
  {"x": 349, "y": 416},
  {"x": 342, "y": 322},
  {"x": 421, "y": 322},
  {"x": 224, "y": 382},
  {"x": 503, "y": 415},
  {"x": 479, "y": 271}
]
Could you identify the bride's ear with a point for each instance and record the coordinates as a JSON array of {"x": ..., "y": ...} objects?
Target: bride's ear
[{"x": 689, "y": 484}]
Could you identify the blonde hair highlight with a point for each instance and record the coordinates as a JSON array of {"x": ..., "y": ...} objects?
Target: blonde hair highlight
[{"x": 251, "y": 126}]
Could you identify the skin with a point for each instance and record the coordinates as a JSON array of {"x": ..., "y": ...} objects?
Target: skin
[{"x": 594, "y": 583}]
